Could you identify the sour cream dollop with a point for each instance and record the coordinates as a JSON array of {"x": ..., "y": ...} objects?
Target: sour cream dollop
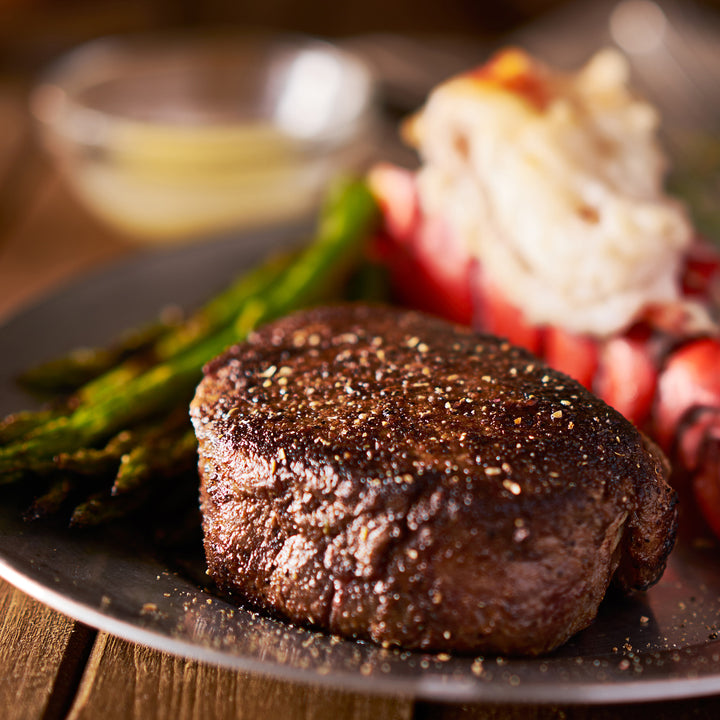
[{"x": 554, "y": 182}]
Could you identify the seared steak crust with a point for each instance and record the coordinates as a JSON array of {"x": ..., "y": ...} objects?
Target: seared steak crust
[{"x": 389, "y": 476}]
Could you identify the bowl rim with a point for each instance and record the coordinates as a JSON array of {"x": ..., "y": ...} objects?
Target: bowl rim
[{"x": 55, "y": 107}]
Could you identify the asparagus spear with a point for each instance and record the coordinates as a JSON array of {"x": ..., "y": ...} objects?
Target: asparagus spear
[
  {"x": 27, "y": 431},
  {"x": 142, "y": 472},
  {"x": 210, "y": 319},
  {"x": 168, "y": 455},
  {"x": 85, "y": 461},
  {"x": 16, "y": 426},
  {"x": 167, "y": 500},
  {"x": 315, "y": 274},
  {"x": 51, "y": 501},
  {"x": 101, "y": 508},
  {"x": 159, "y": 389},
  {"x": 222, "y": 309},
  {"x": 101, "y": 461},
  {"x": 127, "y": 358},
  {"x": 68, "y": 373},
  {"x": 90, "y": 466},
  {"x": 73, "y": 470}
]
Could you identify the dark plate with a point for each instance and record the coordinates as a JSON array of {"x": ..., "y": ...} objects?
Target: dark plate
[{"x": 652, "y": 646}]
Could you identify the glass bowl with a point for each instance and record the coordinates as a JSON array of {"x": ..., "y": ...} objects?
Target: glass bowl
[{"x": 172, "y": 137}]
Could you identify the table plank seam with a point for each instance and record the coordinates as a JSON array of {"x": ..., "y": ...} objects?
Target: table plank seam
[{"x": 70, "y": 672}]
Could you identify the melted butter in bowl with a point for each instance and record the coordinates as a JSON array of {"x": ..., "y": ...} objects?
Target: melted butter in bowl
[
  {"x": 178, "y": 138},
  {"x": 165, "y": 182}
]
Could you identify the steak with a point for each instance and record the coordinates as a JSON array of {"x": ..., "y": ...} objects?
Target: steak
[{"x": 385, "y": 475}]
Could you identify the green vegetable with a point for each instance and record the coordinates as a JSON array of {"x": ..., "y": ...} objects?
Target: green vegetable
[
  {"x": 18, "y": 425},
  {"x": 82, "y": 365},
  {"x": 104, "y": 430}
]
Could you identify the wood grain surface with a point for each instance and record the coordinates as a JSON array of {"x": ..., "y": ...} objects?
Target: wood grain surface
[
  {"x": 42, "y": 654},
  {"x": 137, "y": 682}
]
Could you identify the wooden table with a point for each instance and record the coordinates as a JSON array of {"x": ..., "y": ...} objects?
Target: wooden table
[{"x": 52, "y": 666}]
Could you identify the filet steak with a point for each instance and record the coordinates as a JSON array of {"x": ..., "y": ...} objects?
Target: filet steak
[{"x": 386, "y": 475}]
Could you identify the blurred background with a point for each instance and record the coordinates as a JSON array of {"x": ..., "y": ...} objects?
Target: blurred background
[
  {"x": 47, "y": 234},
  {"x": 31, "y": 31}
]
